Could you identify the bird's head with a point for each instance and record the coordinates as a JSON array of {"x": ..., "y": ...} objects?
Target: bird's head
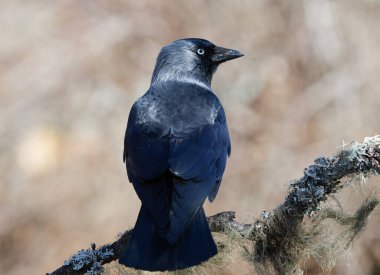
[{"x": 191, "y": 60}]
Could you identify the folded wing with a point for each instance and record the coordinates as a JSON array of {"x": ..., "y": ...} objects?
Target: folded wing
[{"x": 198, "y": 161}]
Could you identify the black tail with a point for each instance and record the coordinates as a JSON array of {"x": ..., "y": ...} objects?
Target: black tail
[{"x": 147, "y": 251}]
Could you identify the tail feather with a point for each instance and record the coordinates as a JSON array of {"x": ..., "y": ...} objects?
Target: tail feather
[{"x": 148, "y": 251}]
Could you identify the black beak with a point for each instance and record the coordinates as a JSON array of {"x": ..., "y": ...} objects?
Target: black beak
[{"x": 222, "y": 54}]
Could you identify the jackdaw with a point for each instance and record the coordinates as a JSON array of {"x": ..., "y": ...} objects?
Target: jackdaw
[{"x": 175, "y": 150}]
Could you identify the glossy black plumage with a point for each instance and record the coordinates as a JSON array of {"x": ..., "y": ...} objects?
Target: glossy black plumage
[{"x": 175, "y": 149}]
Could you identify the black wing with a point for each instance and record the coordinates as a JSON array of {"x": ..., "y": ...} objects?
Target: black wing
[
  {"x": 146, "y": 152},
  {"x": 198, "y": 161}
]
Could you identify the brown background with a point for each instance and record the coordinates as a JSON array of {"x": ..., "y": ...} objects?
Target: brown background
[{"x": 70, "y": 70}]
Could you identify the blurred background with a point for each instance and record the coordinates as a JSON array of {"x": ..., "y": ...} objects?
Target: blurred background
[{"x": 70, "y": 71}]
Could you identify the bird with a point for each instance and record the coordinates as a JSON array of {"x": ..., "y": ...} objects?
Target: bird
[{"x": 176, "y": 147}]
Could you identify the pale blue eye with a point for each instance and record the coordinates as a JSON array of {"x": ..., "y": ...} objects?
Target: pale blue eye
[{"x": 200, "y": 51}]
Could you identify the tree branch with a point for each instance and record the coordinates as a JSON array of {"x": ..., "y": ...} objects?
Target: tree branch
[{"x": 281, "y": 238}]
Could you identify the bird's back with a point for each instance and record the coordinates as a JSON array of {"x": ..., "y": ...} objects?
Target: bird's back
[
  {"x": 177, "y": 107},
  {"x": 171, "y": 113}
]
